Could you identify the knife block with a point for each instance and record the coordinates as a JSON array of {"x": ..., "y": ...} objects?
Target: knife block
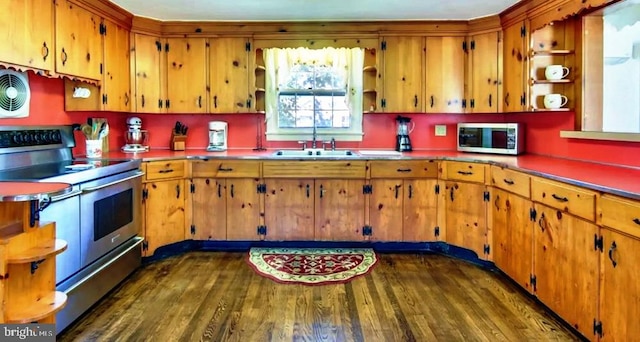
[{"x": 178, "y": 142}]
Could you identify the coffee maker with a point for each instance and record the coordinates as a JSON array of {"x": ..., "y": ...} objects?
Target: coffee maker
[
  {"x": 135, "y": 138},
  {"x": 217, "y": 136},
  {"x": 403, "y": 143}
]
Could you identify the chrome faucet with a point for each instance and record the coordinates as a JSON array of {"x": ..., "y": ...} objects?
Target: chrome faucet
[{"x": 315, "y": 135}]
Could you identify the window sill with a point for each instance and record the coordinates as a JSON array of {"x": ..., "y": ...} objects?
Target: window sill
[
  {"x": 609, "y": 136},
  {"x": 320, "y": 136}
]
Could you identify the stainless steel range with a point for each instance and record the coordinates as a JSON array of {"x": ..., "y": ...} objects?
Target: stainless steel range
[{"x": 99, "y": 219}]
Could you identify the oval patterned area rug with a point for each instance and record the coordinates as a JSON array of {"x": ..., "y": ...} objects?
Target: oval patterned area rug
[{"x": 312, "y": 266}]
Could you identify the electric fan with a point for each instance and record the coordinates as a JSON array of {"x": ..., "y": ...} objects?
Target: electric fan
[{"x": 14, "y": 94}]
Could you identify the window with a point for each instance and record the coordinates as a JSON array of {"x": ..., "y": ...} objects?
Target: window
[{"x": 311, "y": 91}]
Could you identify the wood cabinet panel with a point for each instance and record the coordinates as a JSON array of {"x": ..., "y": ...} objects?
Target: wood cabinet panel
[
  {"x": 512, "y": 181},
  {"x": 385, "y": 209},
  {"x": 209, "y": 209},
  {"x": 339, "y": 209},
  {"x": 468, "y": 172},
  {"x": 229, "y": 75},
  {"x": 621, "y": 214},
  {"x": 289, "y": 209},
  {"x": 466, "y": 216},
  {"x": 485, "y": 82},
  {"x": 243, "y": 209},
  {"x": 26, "y": 31},
  {"x": 566, "y": 266},
  {"x": 220, "y": 168},
  {"x": 164, "y": 217},
  {"x": 314, "y": 169},
  {"x": 420, "y": 210},
  {"x": 78, "y": 41},
  {"x": 565, "y": 197},
  {"x": 515, "y": 57},
  {"x": 116, "y": 87},
  {"x": 445, "y": 60},
  {"x": 186, "y": 75},
  {"x": 148, "y": 84},
  {"x": 403, "y": 72},
  {"x": 404, "y": 168},
  {"x": 165, "y": 169}
]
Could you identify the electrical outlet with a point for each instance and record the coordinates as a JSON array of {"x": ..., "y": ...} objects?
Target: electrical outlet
[{"x": 441, "y": 130}]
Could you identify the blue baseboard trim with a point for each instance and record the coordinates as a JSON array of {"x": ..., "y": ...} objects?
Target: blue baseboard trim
[{"x": 380, "y": 247}]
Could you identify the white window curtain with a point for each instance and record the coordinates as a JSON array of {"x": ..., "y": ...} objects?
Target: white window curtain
[{"x": 347, "y": 62}]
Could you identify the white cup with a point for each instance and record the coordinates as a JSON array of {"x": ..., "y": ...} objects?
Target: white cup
[
  {"x": 94, "y": 148},
  {"x": 554, "y": 101},
  {"x": 556, "y": 72}
]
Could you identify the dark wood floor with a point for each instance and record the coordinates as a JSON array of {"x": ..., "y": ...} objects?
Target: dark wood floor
[{"x": 216, "y": 296}]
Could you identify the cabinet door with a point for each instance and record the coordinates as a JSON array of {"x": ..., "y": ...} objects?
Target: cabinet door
[
  {"x": 444, "y": 85},
  {"x": 26, "y": 29},
  {"x": 339, "y": 214},
  {"x": 116, "y": 87},
  {"x": 289, "y": 209},
  {"x": 186, "y": 75},
  {"x": 78, "y": 41},
  {"x": 385, "y": 209},
  {"x": 164, "y": 214},
  {"x": 209, "y": 209},
  {"x": 620, "y": 289},
  {"x": 229, "y": 75},
  {"x": 566, "y": 266},
  {"x": 514, "y": 59},
  {"x": 403, "y": 73},
  {"x": 513, "y": 236},
  {"x": 420, "y": 210},
  {"x": 149, "y": 84},
  {"x": 484, "y": 50},
  {"x": 243, "y": 209},
  {"x": 466, "y": 216}
]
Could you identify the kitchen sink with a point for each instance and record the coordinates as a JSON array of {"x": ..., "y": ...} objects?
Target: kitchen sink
[{"x": 314, "y": 153}]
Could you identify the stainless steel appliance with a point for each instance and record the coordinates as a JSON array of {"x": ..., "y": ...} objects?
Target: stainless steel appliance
[
  {"x": 499, "y": 138},
  {"x": 99, "y": 219},
  {"x": 403, "y": 143},
  {"x": 217, "y": 136},
  {"x": 136, "y": 139}
]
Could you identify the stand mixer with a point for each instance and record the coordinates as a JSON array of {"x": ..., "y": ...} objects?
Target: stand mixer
[{"x": 135, "y": 137}]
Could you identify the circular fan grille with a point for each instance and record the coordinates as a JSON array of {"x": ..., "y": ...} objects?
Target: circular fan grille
[{"x": 13, "y": 92}]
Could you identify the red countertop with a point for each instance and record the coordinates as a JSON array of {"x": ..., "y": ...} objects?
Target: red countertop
[
  {"x": 620, "y": 180},
  {"x": 26, "y": 191}
]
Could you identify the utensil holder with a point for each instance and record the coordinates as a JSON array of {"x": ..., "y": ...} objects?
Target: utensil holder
[{"x": 178, "y": 142}]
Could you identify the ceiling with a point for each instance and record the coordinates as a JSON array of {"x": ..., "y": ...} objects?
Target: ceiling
[{"x": 313, "y": 10}]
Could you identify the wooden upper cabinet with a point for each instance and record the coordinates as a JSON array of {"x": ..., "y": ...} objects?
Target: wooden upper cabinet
[
  {"x": 515, "y": 56},
  {"x": 147, "y": 82},
  {"x": 444, "y": 83},
  {"x": 116, "y": 88},
  {"x": 186, "y": 75},
  {"x": 402, "y": 73},
  {"x": 27, "y": 33},
  {"x": 78, "y": 41},
  {"x": 229, "y": 75},
  {"x": 484, "y": 77}
]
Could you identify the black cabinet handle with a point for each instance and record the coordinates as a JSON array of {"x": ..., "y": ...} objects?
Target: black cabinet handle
[
  {"x": 612, "y": 249},
  {"x": 451, "y": 193},
  {"x": 497, "y": 202},
  {"x": 166, "y": 171},
  {"x": 561, "y": 199},
  {"x": 397, "y": 190},
  {"x": 215, "y": 101},
  {"x": 126, "y": 99},
  {"x": 410, "y": 191},
  {"x": 321, "y": 191},
  {"x": 490, "y": 95},
  {"x": 508, "y": 181},
  {"x": 308, "y": 190},
  {"x": 199, "y": 101},
  {"x": 415, "y": 101},
  {"x": 63, "y": 57},
  {"x": 506, "y": 100},
  {"x": 219, "y": 190},
  {"x": 177, "y": 191},
  {"x": 403, "y": 170},
  {"x": 542, "y": 220},
  {"x": 432, "y": 101},
  {"x": 142, "y": 101},
  {"x": 45, "y": 51},
  {"x": 636, "y": 221},
  {"x": 228, "y": 169},
  {"x": 231, "y": 191},
  {"x": 465, "y": 173}
]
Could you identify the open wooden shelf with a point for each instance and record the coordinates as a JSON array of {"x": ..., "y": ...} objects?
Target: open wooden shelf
[
  {"x": 551, "y": 109},
  {"x": 45, "y": 250},
  {"x": 550, "y": 52},
  {"x": 562, "y": 81},
  {"x": 46, "y": 306}
]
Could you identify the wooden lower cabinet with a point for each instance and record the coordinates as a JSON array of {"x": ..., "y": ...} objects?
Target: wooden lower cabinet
[
  {"x": 466, "y": 217},
  {"x": 512, "y": 230},
  {"x": 339, "y": 209},
  {"x": 420, "y": 210},
  {"x": 225, "y": 209},
  {"x": 288, "y": 206},
  {"x": 620, "y": 289},
  {"x": 385, "y": 209},
  {"x": 166, "y": 197},
  {"x": 566, "y": 266}
]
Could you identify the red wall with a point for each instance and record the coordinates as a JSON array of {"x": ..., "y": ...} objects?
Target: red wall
[{"x": 542, "y": 129}]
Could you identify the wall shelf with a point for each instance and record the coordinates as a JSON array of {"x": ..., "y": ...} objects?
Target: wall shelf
[
  {"x": 562, "y": 81},
  {"x": 48, "y": 305},
  {"x": 551, "y": 109},
  {"x": 550, "y": 52},
  {"x": 45, "y": 250}
]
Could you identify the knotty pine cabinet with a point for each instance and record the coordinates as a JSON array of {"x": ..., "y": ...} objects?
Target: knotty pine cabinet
[
  {"x": 116, "y": 87},
  {"x": 148, "y": 74},
  {"x": 402, "y": 73},
  {"x": 186, "y": 75},
  {"x": 445, "y": 70},
  {"x": 229, "y": 76},
  {"x": 28, "y": 42},
  {"x": 515, "y": 57},
  {"x": 289, "y": 209},
  {"x": 485, "y": 82},
  {"x": 339, "y": 209}
]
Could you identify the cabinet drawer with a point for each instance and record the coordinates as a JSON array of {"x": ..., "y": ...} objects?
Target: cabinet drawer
[
  {"x": 314, "y": 169},
  {"x": 469, "y": 172},
  {"x": 621, "y": 214},
  {"x": 565, "y": 197},
  {"x": 165, "y": 169},
  {"x": 404, "y": 169},
  {"x": 513, "y": 181},
  {"x": 225, "y": 169}
]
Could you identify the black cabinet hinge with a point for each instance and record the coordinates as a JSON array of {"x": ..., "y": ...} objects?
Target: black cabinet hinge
[
  {"x": 145, "y": 194},
  {"x": 158, "y": 45},
  {"x": 103, "y": 29},
  {"x": 523, "y": 31},
  {"x": 367, "y": 230},
  {"x": 486, "y": 196},
  {"x": 159, "y": 103},
  {"x": 533, "y": 214},
  {"x": 367, "y": 189},
  {"x": 145, "y": 245},
  {"x": 464, "y": 46},
  {"x": 262, "y": 230},
  {"x": 523, "y": 99},
  {"x": 193, "y": 229},
  {"x": 104, "y": 98},
  {"x": 101, "y": 69},
  {"x": 487, "y": 249},
  {"x": 473, "y": 45},
  {"x": 383, "y": 103},
  {"x": 472, "y": 103},
  {"x": 383, "y": 45},
  {"x": 167, "y": 103},
  {"x": 598, "y": 243},
  {"x": 534, "y": 281},
  {"x": 436, "y": 231},
  {"x": 437, "y": 189},
  {"x": 597, "y": 328},
  {"x": 192, "y": 188},
  {"x": 166, "y": 47},
  {"x": 464, "y": 103},
  {"x": 247, "y": 46}
]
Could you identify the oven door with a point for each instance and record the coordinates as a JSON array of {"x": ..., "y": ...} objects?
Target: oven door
[{"x": 110, "y": 213}]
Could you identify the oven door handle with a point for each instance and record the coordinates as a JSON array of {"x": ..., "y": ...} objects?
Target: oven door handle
[
  {"x": 65, "y": 196},
  {"x": 94, "y": 188}
]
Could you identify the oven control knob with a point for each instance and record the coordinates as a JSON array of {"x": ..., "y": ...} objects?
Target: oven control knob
[
  {"x": 56, "y": 137},
  {"x": 16, "y": 138}
]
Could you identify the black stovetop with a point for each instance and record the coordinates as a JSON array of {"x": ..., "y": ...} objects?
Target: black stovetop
[{"x": 69, "y": 171}]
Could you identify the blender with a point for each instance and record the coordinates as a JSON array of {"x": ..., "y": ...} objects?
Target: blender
[
  {"x": 135, "y": 138},
  {"x": 217, "y": 136},
  {"x": 403, "y": 143}
]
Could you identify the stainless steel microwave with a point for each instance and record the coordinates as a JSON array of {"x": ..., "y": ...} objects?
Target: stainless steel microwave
[{"x": 500, "y": 138}]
